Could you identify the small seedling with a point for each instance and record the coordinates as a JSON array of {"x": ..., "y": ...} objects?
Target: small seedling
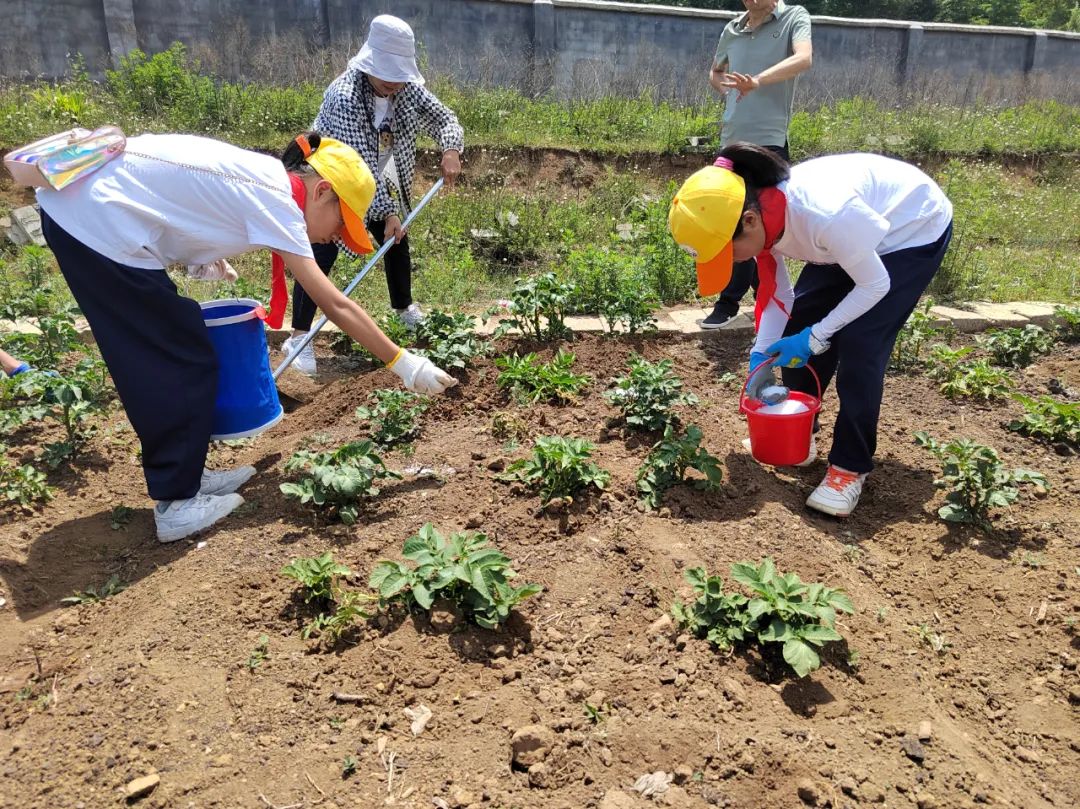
[
  {"x": 852, "y": 553},
  {"x": 975, "y": 480},
  {"x": 338, "y": 480},
  {"x": 336, "y": 723},
  {"x": 450, "y": 341},
  {"x": 120, "y": 516},
  {"x": 530, "y": 380},
  {"x": 596, "y": 713},
  {"x": 317, "y": 576},
  {"x": 881, "y": 613},
  {"x": 463, "y": 568},
  {"x": 394, "y": 416},
  {"x": 668, "y": 462},
  {"x": 1018, "y": 348},
  {"x": 537, "y": 308},
  {"x": 931, "y": 639},
  {"x": 853, "y": 659},
  {"x": 259, "y": 655},
  {"x": 348, "y": 766},
  {"x": 320, "y": 578},
  {"x": 559, "y": 467},
  {"x": 648, "y": 393},
  {"x": 348, "y": 607},
  {"x": 1034, "y": 561},
  {"x": 1048, "y": 419},
  {"x": 90, "y": 595},
  {"x": 22, "y": 484}
]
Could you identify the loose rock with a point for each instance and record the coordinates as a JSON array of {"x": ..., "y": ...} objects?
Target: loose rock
[
  {"x": 142, "y": 786},
  {"x": 913, "y": 749},
  {"x": 617, "y": 799},
  {"x": 926, "y": 731},
  {"x": 531, "y": 745},
  {"x": 683, "y": 773},
  {"x": 659, "y": 626}
]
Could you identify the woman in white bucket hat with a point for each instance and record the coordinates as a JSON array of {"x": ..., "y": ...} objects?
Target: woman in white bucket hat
[{"x": 378, "y": 106}]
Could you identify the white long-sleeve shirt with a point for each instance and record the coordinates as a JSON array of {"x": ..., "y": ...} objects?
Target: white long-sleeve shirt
[{"x": 850, "y": 210}]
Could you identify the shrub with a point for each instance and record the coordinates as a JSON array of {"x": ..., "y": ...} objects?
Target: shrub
[
  {"x": 338, "y": 480},
  {"x": 648, "y": 393},
  {"x": 614, "y": 286},
  {"x": 668, "y": 462},
  {"x": 394, "y": 416},
  {"x": 450, "y": 340},
  {"x": 1018, "y": 348},
  {"x": 530, "y": 380},
  {"x": 975, "y": 480},
  {"x": 537, "y": 308},
  {"x": 781, "y": 610},
  {"x": 1048, "y": 419},
  {"x": 463, "y": 569},
  {"x": 1068, "y": 328},
  {"x": 559, "y": 467}
]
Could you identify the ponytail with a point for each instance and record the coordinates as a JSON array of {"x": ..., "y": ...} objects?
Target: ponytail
[
  {"x": 759, "y": 167},
  {"x": 296, "y": 153}
]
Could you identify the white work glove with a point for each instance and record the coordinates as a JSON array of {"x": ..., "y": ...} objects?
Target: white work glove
[
  {"x": 220, "y": 270},
  {"x": 420, "y": 374}
]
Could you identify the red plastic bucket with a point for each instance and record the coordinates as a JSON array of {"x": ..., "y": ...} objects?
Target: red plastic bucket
[{"x": 779, "y": 439}]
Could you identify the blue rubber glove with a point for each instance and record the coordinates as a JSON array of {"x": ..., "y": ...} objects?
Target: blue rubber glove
[
  {"x": 793, "y": 350},
  {"x": 20, "y": 369},
  {"x": 763, "y": 378}
]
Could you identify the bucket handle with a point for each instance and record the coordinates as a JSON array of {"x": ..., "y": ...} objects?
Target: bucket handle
[{"x": 746, "y": 384}]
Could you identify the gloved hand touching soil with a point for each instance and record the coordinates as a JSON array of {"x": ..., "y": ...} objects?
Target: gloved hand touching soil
[{"x": 420, "y": 374}]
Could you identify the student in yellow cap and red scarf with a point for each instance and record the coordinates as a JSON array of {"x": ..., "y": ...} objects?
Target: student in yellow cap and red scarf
[
  {"x": 873, "y": 232},
  {"x": 181, "y": 199}
]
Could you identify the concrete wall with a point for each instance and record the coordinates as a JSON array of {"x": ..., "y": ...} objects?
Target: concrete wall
[{"x": 578, "y": 48}]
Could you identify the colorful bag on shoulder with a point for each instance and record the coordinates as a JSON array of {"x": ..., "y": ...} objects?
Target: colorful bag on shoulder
[{"x": 59, "y": 160}]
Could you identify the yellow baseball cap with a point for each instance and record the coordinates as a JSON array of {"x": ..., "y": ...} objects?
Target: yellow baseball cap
[
  {"x": 351, "y": 180},
  {"x": 703, "y": 218}
]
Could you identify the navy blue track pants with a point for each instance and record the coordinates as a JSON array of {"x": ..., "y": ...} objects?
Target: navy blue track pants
[
  {"x": 162, "y": 362},
  {"x": 860, "y": 351}
]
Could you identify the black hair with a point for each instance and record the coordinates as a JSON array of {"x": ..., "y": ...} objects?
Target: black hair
[
  {"x": 293, "y": 156},
  {"x": 759, "y": 167}
]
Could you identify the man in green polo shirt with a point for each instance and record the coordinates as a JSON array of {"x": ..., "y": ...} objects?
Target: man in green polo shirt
[{"x": 757, "y": 60}]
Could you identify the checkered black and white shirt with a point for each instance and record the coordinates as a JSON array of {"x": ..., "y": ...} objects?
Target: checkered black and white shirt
[{"x": 347, "y": 114}]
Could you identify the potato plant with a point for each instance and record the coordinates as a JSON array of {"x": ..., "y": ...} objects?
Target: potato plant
[
  {"x": 537, "y": 308},
  {"x": 338, "y": 480},
  {"x": 22, "y": 485},
  {"x": 559, "y": 467},
  {"x": 648, "y": 393},
  {"x": 394, "y": 416},
  {"x": 1017, "y": 348},
  {"x": 93, "y": 595},
  {"x": 462, "y": 568},
  {"x": 919, "y": 329},
  {"x": 1048, "y": 419},
  {"x": 320, "y": 579},
  {"x": 530, "y": 380},
  {"x": 450, "y": 341},
  {"x": 781, "y": 609},
  {"x": 975, "y": 480},
  {"x": 964, "y": 378},
  {"x": 669, "y": 461}
]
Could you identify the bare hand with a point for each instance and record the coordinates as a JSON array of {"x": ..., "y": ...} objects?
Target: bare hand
[
  {"x": 451, "y": 166},
  {"x": 743, "y": 82},
  {"x": 393, "y": 229}
]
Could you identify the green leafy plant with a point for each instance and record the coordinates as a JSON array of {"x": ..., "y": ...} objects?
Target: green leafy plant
[
  {"x": 317, "y": 576},
  {"x": 390, "y": 324},
  {"x": 120, "y": 516},
  {"x": 537, "y": 308},
  {"x": 320, "y": 578},
  {"x": 348, "y": 766},
  {"x": 962, "y": 378},
  {"x": 559, "y": 467},
  {"x": 1017, "y": 348},
  {"x": 338, "y": 480},
  {"x": 463, "y": 569},
  {"x": 22, "y": 484},
  {"x": 614, "y": 285},
  {"x": 1068, "y": 323},
  {"x": 92, "y": 595},
  {"x": 669, "y": 461},
  {"x": 647, "y": 394},
  {"x": 933, "y": 640},
  {"x": 259, "y": 655},
  {"x": 975, "y": 480},
  {"x": 450, "y": 340},
  {"x": 919, "y": 329},
  {"x": 349, "y": 606},
  {"x": 394, "y": 417},
  {"x": 782, "y": 609},
  {"x": 530, "y": 380},
  {"x": 1048, "y": 419}
]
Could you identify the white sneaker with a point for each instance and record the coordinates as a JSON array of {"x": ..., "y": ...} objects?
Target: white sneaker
[
  {"x": 226, "y": 481},
  {"x": 305, "y": 363},
  {"x": 810, "y": 458},
  {"x": 411, "y": 316},
  {"x": 177, "y": 519},
  {"x": 838, "y": 494}
]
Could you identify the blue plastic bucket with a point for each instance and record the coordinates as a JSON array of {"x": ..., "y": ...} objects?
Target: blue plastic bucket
[{"x": 247, "y": 399}]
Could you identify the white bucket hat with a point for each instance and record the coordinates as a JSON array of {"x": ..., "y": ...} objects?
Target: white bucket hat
[{"x": 389, "y": 52}]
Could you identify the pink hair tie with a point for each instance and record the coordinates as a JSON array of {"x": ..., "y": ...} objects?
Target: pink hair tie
[{"x": 724, "y": 163}]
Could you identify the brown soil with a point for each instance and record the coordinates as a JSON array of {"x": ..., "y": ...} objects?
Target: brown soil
[{"x": 153, "y": 679}]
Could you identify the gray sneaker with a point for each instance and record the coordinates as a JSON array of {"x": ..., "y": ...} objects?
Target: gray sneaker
[
  {"x": 412, "y": 316},
  {"x": 177, "y": 519},
  {"x": 226, "y": 481}
]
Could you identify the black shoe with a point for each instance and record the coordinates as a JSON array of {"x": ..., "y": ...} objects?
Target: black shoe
[{"x": 718, "y": 318}]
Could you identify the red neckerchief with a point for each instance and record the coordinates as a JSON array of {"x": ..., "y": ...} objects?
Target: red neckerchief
[
  {"x": 773, "y": 212},
  {"x": 279, "y": 289}
]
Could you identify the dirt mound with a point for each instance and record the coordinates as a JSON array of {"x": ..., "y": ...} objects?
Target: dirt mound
[{"x": 153, "y": 680}]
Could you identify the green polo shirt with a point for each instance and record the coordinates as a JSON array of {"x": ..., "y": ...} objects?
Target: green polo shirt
[{"x": 763, "y": 116}]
